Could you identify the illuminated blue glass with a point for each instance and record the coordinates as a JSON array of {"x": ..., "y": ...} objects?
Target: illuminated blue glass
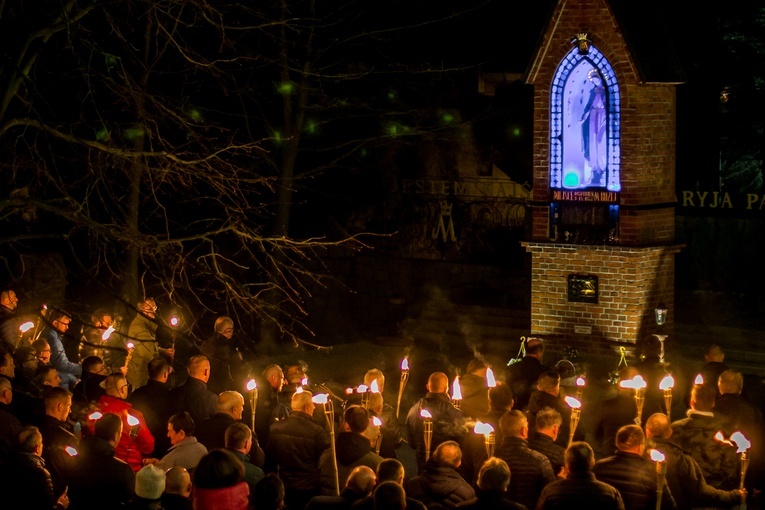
[{"x": 585, "y": 123}]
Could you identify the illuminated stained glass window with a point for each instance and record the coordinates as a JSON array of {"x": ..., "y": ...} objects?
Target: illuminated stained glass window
[{"x": 584, "y": 123}]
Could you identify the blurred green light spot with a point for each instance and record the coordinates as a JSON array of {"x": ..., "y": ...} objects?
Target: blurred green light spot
[
  {"x": 102, "y": 134},
  {"x": 448, "y": 118},
  {"x": 363, "y": 153},
  {"x": 310, "y": 127},
  {"x": 516, "y": 131},
  {"x": 133, "y": 133},
  {"x": 195, "y": 115},
  {"x": 286, "y": 88}
]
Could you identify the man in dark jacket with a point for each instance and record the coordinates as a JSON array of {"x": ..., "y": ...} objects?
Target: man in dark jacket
[
  {"x": 531, "y": 471},
  {"x": 212, "y": 431},
  {"x": 440, "y": 485},
  {"x": 100, "y": 480},
  {"x": 613, "y": 414},
  {"x": 449, "y": 423},
  {"x": 493, "y": 480},
  {"x": 714, "y": 367},
  {"x": 239, "y": 441},
  {"x": 579, "y": 489},
  {"x": 696, "y": 434},
  {"x": 547, "y": 395},
  {"x": 58, "y": 438},
  {"x": 294, "y": 448},
  {"x": 548, "y": 426},
  {"x": 269, "y": 409},
  {"x": 632, "y": 474},
  {"x": 359, "y": 485},
  {"x": 225, "y": 359},
  {"x": 352, "y": 449},
  {"x": 522, "y": 376},
  {"x": 475, "y": 399},
  {"x": 193, "y": 396},
  {"x": 152, "y": 401},
  {"x": 389, "y": 470},
  {"x": 684, "y": 476},
  {"x": 9, "y": 424}
]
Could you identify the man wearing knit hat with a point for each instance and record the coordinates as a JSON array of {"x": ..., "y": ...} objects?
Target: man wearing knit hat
[{"x": 149, "y": 486}]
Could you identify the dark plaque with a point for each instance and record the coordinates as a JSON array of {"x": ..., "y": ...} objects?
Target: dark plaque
[{"x": 583, "y": 288}]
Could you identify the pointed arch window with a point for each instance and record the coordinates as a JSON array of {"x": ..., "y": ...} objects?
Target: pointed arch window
[{"x": 585, "y": 123}]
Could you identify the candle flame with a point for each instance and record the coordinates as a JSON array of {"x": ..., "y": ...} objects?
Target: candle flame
[
  {"x": 107, "y": 333},
  {"x": 456, "y": 390},
  {"x": 667, "y": 383},
  {"x": 699, "y": 379},
  {"x": 26, "y": 326},
  {"x": 657, "y": 456},
  {"x": 742, "y": 443},
  {"x": 70, "y": 451},
  {"x": 405, "y": 363},
  {"x": 132, "y": 420},
  {"x": 374, "y": 387},
  {"x": 425, "y": 414},
  {"x": 490, "y": 381},
  {"x": 95, "y": 416},
  {"x": 251, "y": 385},
  {"x": 376, "y": 421},
  {"x": 304, "y": 381},
  {"x": 580, "y": 381},
  {"x": 573, "y": 403},
  {"x": 362, "y": 388},
  {"x": 321, "y": 398},
  {"x": 483, "y": 428}
]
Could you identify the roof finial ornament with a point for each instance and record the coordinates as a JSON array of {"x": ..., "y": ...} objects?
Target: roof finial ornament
[{"x": 582, "y": 42}]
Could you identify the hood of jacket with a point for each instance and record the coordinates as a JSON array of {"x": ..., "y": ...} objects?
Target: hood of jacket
[
  {"x": 351, "y": 447},
  {"x": 440, "y": 480}
]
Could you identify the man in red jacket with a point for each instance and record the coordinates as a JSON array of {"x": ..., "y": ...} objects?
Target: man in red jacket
[{"x": 136, "y": 440}]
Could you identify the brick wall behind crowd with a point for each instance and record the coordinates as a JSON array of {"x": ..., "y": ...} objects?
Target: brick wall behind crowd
[{"x": 632, "y": 281}]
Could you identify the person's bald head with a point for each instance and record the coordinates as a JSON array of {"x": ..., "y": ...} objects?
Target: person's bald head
[
  {"x": 714, "y": 353},
  {"x": 703, "y": 398},
  {"x": 362, "y": 479},
  {"x": 438, "y": 382},
  {"x": 448, "y": 453},
  {"x": 514, "y": 424},
  {"x": 390, "y": 470},
  {"x": 658, "y": 425},
  {"x": 389, "y": 496},
  {"x": 730, "y": 381},
  {"x": 178, "y": 481},
  {"x": 231, "y": 403},
  {"x": 199, "y": 367},
  {"x": 302, "y": 401}
]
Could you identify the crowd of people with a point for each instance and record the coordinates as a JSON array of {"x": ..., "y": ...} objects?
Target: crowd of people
[{"x": 109, "y": 429}]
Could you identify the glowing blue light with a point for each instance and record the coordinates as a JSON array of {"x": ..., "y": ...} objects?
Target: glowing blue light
[{"x": 571, "y": 180}]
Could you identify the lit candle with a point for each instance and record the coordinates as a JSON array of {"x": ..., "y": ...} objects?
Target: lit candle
[
  {"x": 658, "y": 458},
  {"x": 252, "y": 387},
  {"x": 579, "y": 387},
  {"x": 742, "y": 445},
  {"x": 666, "y": 385},
  {"x": 576, "y": 410},
  {"x": 402, "y": 384},
  {"x": 329, "y": 413},
  {"x": 489, "y": 437},
  {"x": 377, "y": 422},
  {"x": 456, "y": 393},
  {"x": 427, "y": 429}
]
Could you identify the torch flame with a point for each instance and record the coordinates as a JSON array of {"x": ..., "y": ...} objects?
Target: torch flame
[
  {"x": 95, "y": 416},
  {"x": 636, "y": 383},
  {"x": 405, "y": 363},
  {"x": 304, "y": 381},
  {"x": 667, "y": 383},
  {"x": 721, "y": 438},
  {"x": 130, "y": 345},
  {"x": 174, "y": 321},
  {"x": 376, "y": 421},
  {"x": 573, "y": 403},
  {"x": 374, "y": 387},
  {"x": 349, "y": 391},
  {"x": 456, "y": 390},
  {"x": 483, "y": 428},
  {"x": 657, "y": 456},
  {"x": 490, "y": 381},
  {"x": 321, "y": 398},
  {"x": 26, "y": 326},
  {"x": 580, "y": 381},
  {"x": 132, "y": 420},
  {"x": 70, "y": 451},
  {"x": 742, "y": 443},
  {"x": 425, "y": 413},
  {"x": 251, "y": 385},
  {"x": 362, "y": 388},
  {"x": 699, "y": 379},
  {"x": 299, "y": 389},
  {"x": 107, "y": 333}
]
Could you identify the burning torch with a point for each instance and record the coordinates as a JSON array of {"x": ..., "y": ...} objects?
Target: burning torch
[
  {"x": 135, "y": 425},
  {"x": 661, "y": 470},
  {"x": 576, "y": 411},
  {"x": 456, "y": 393},
  {"x": 252, "y": 387},
  {"x": 666, "y": 385},
  {"x": 402, "y": 384},
  {"x": 489, "y": 437},
  {"x": 580, "y": 382},
  {"x": 638, "y": 384},
  {"x": 427, "y": 429},
  {"x": 329, "y": 413},
  {"x": 377, "y": 422},
  {"x": 22, "y": 330}
]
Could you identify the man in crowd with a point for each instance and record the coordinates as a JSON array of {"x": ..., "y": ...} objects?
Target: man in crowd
[
  {"x": 9, "y": 424},
  {"x": 269, "y": 409},
  {"x": 88, "y": 389},
  {"x": 475, "y": 400},
  {"x": 9, "y": 323},
  {"x": 136, "y": 440},
  {"x": 193, "y": 396},
  {"x": 142, "y": 332},
  {"x": 449, "y": 423},
  {"x": 546, "y": 395},
  {"x": 58, "y": 437},
  {"x": 294, "y": 448},
  {"x": 359, "y": 485},
  {"x": 696, "y": 434},
  {"x": 177, "y": 495},
  {"x": 389, "y": 470},
  {"x": 153, "y": 402},
  {"x": 101, "y": 480},
  {"x": 579, "y": 489},
  {"x": 43, "y": 351},
  {"x": 613, "y": 414},
  {"x": 714, "y": 367},
  {"x": 212, "y": 431},
  {"x": 185, "y": 450},
  {"x": 239, "y": 441},
  {"x": 531, "y": 470},
  {"x": 631, "y": 473},
  {"x": 522, "y": 376},
  {"x": 684, "y": 477},
  {"x": 493, "y": 480},
  {"x": 548, "y": 426},
  {"x": 440, "y": 482},
  {"x": 69, "y": 372},
  {"x": 225, "y": 359}
]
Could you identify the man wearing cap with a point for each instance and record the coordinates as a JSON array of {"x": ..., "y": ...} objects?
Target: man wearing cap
[
  {"x": 149, "y": 486},
  {"x": 522, "y": 376}
]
